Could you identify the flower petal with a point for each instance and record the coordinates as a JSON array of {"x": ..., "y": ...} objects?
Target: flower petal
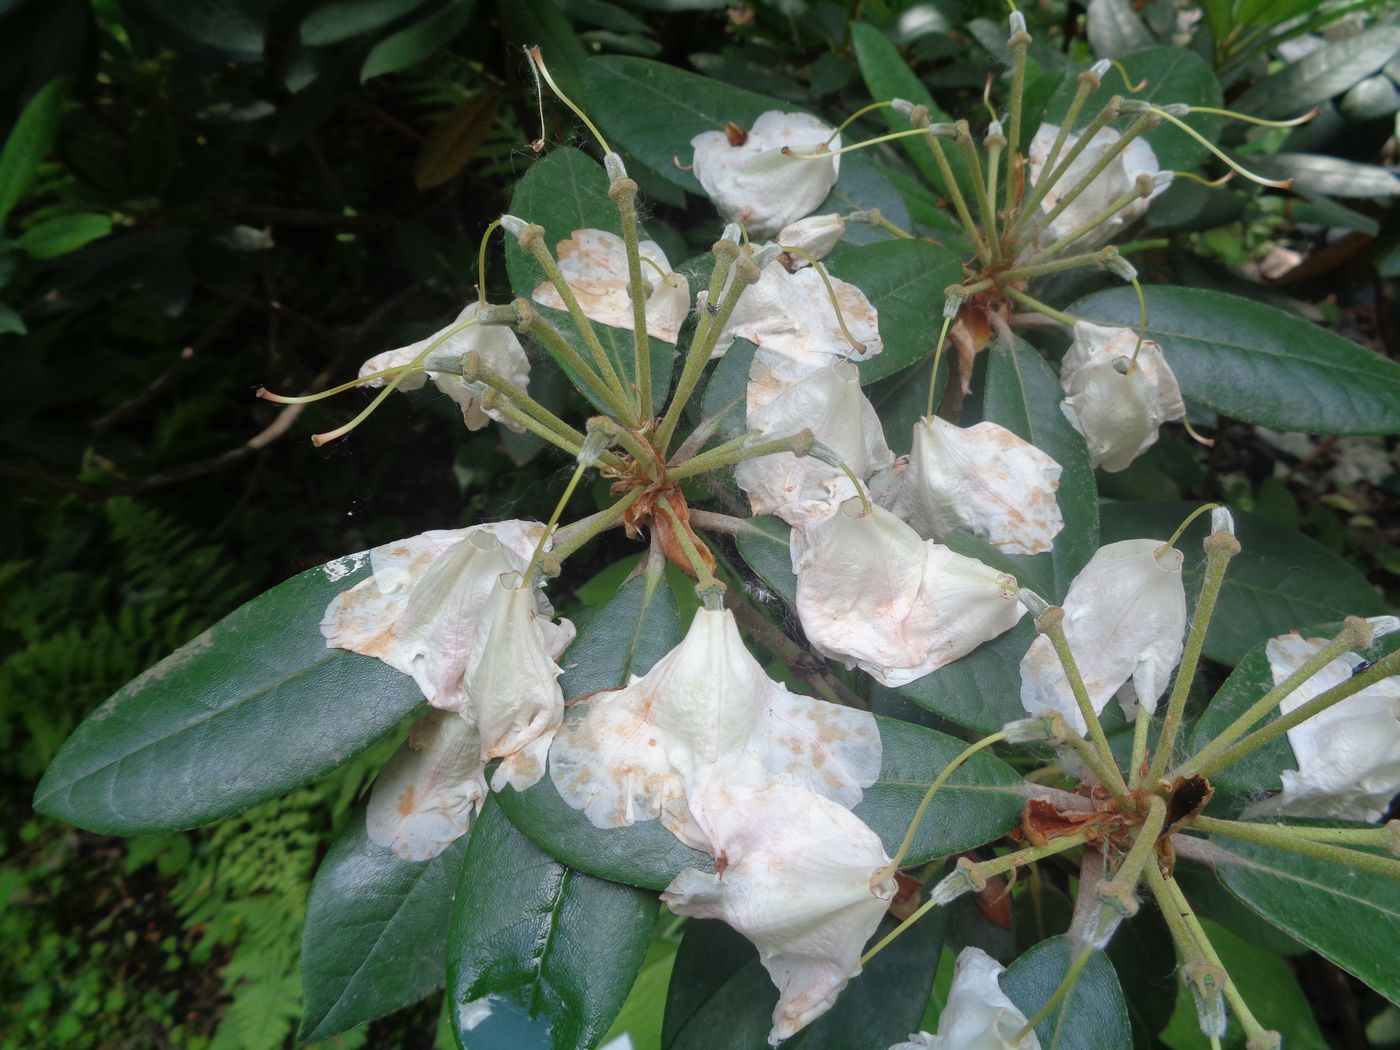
[{"x": 1116, "y": 181}]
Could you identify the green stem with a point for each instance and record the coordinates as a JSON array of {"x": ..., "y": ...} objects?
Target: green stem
[
  {"x": 1073, "y": 262},
  {"x": 474, "y": 371},
  {"x": 737, "y": 451},
  {"x": 940, "y": 158},
  {"x": 1088, "y": 227},
  {"x": 725, "y": 252},
  {"x": 1203, "y": 978},
  {"x": 1220, "y": 547},
  {"x": 1016, "y": 295},
  {"x": 624, "y": 194},
  {"x": 937, "y": 357},
  {"x": 1356, "y": 633},
  {"x": 1137, "y": 763},
  {"x": 1386, "y": 837},
  {"x": 494, "y": 401},
  {"x": 705, "y": 579},
  {"x": 979, "y": 189},
  {"x": 1282, "y": 838},
  {"x": 573, "y": 536},
  {"x": 1087, "y": 179},
  {"x": 1020, "y": 44},
  {"x": 1048, "y": 178},
  {"x": 554, "y": 520},
  {"x": 563, "y": 351}
]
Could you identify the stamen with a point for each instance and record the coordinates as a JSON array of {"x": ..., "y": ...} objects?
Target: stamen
[
  {"x": 955, "y": 303},
  {"x": 987, "y": 96},
  {"x": 853, "y": 118},
  {"x": 1127, "y": 82},
  {"x": 537, "y": 63},
  {"x": 1259, "y": 121},
  {"x": 588, "y": 455},
  {"x": 1202, "y": 179},
  {"x": 1142, "y": 323},
  {"x": 816, "y": 265},
  {"x": 305, "y": 399},
  {"x": 1278, "y": 184},
  {"x": 1196, "y": 436},
  {"x": 655, "y": 266},
  {"x": 823, "y": 153}
]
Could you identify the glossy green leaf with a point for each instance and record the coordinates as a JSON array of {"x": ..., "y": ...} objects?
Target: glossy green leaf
[
  {"x": 63, "y": 234},
  {"x": 1280, "y": 578},
  {"x": 1352, "y": 917},
  {"x": 372, "y": 942},
  {"x": 726, "y": 393},
  {"x": 1332, "y": 176},
  {"x": 636, "y": 627},
  {"x": 861, "y": 186},
  {"x": 721, "y": 997},
  {"x": 419, "y": 41},
  {"x": 1326, "y": 72},
  {"x": 766, "y": 548},
  {"x": 342, "y": 19},
  {"x": 28, "y": 141},
  {"x": 250, "y": 709},
  {"x": 1092, "y": 1015},
  {"x": 563, "y": 192},
  {"x": 982, "y": 691},
  {"x": 1173, "y": 74},
  {"x": 1255, "y": 363},
  {"x": 905, "y": 281},
  {"x": 539, "y": 956},
  {"x": 1022, "y": 393},
  {"x": 1115, "y": 28},
  {"x": 1250, "y": 680},
  {"x": 1145, "y": 961},
  {"x": 235, "y": 26}
]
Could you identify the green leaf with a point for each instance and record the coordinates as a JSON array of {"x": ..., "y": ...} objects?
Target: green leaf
[
  {"x": 1258, "y": 364},
  {"x": 372, "y": 943},
  {"x": 1326, "y": 72},
  {"x": 64, "y": 234},
  {"x": 1351, "y": 917},
  {"x": 1022, "y": 393},
  {"x": 1279, "y": 580},
  {"x": 1114, "y": 28},
  {"x": 1092, "y": 1015},
  {"x": 1173, "y": 74},
  {"x": 766, "y": 548},
  {"x": 417, "y": 42},
  {"x": 235, "y": 26},
  {"x": 1145, "y": 962},
  {"x": 1250, "y": 680},
  {"x": 905, "y": 280},
  {"x": 861, "y": 186},
  {"x": 638, "y": 626},
  {"x": 11, "y": 323},
  {"x": 28, "y": 142},
  {"x": 1332, "y": 176},
  {"x": 564, "y": 192},
  {"x": 331, "y": 23},
  {"x": 253, "y": 707},
  {"x": 721, "y": 997},
  {"x": 982, "y": 691},
  {"x": 538, "y": 955},
  {"x": 726, "y": 394},
  {"x": 888, "y": 76}
]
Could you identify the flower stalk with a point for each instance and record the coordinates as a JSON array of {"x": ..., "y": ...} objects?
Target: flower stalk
[
  {"x": 1282, "y": 837},
  {"x": 737, "y": 451},
  {"x": 623, "y": 192}
]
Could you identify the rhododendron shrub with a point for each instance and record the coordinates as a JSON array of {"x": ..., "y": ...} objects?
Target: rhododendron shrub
[{"x": 871, "y": 733}]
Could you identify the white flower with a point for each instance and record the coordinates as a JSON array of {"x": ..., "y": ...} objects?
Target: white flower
[
  {"x": 984, "y": 480},
  {"x": 635, "y": 753},
  {"x": 750, "y": 179},
  {"x": 1113, "y": 183},
  {"x": 1118, "y": 409},
  {"x": 792, "y": 874},
  {"x": 832, "y": 405},
  {"x": 511, "y": 682},
  {"x": 498, "y": 347},
  {"x": 594, "y": 264},
  {"x": 1349, "y": 755},
  {"x": 1125, "y": 617},
  {"x": 816, "y": 235},
  {"x": 426, "y": 795},
  {"x": 420, "y": 608},
  {"x": 978, "y": 1014},
  {"x": 791, "y": 318},
  {"x": 872, "y": 593}
]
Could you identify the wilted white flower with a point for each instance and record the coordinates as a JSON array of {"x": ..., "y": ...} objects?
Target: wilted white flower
[
  {"x": 1116, "y": 407},
  {"x": 816, "y": 235},
  {"x": 752, "y": 181},
  {"x": 497, "y": 346},
  {"x": 594, "y": 265},
  {"x": 791, "y": 318},
  {"x": 985, "y": 480},
  {"x": 1349, "y": 755},
  {"x": 872, "y": 593},
  {"x": 978, "y": 1014},
  {"x": 1125, "y": 617},
  {"x": 426, "y": 795},
  {"x": 792, "y": 874},
  {"x": 422, "y": 608},
  {"x": 1114, "y": 182},
  {"x": 832, "y": 405},
  {"x": 635, "y": 753}
]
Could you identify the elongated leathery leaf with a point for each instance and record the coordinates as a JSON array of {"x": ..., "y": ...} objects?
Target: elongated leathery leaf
[
  {"x": 250, "y": 709},
  {"x": 721, "y": 997},
  {"x": 1252, "y": 362},
  {"x": 538, "y": 955},
  {"x": 372, "y": 942},
  {"x": 1092, "y": 1016}
]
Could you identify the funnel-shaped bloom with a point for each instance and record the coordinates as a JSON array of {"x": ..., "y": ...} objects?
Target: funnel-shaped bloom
[
  {"x": 832, "y": 405},
  {"x": 985, "y": 480},
  {"x": 594, "y": 264},
  {"x": 1117, "y": 406},
  {"x": 634, "y": 753},
  {"x": 1348, "y": 755},
  {"x": 816, "y": 235},
  {"x": 791, "y": 318},
  {"x": 511, "y": 682},
  {"x": 872, "y": 593},
  {"x": 1113, "y": 183},
  {"x": 498, "y": 347},
  {"x": 792, "y": 874},
  {"x": 422, "y": 609},
  {"x": 1125, "y": 616},
  {"x": 745, "y": 172},
  {"x": 978, "y": 1014},
  {"x": 426, "y": 795}
]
